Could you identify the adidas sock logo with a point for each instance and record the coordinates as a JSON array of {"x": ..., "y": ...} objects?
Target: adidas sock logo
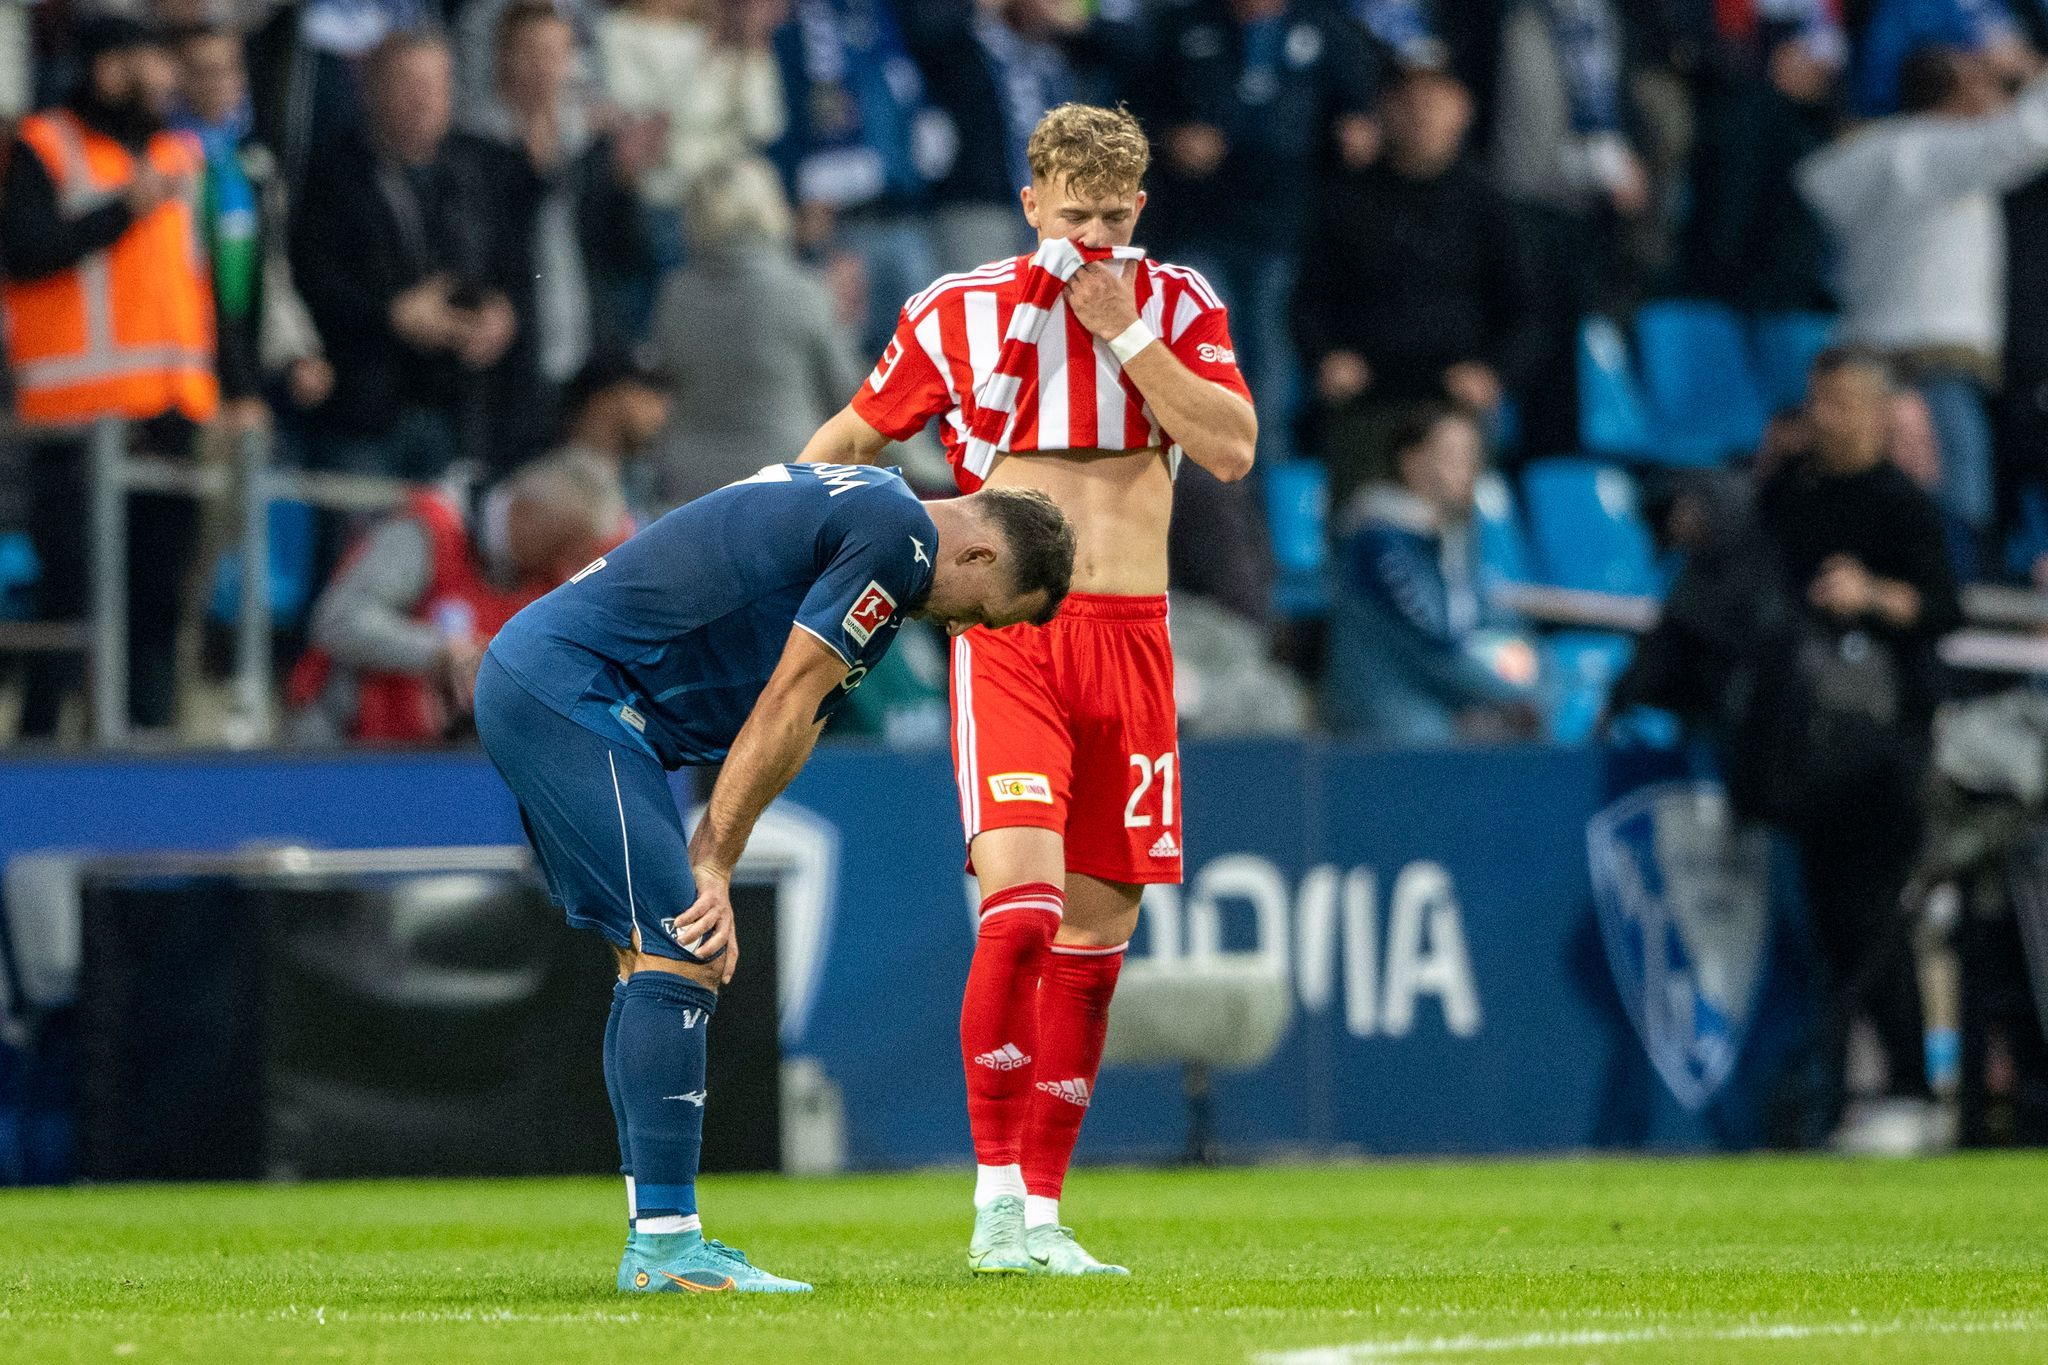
[
  {"x": 1073, "y": 1092},
  {"x": 1004, "y": 1058}
]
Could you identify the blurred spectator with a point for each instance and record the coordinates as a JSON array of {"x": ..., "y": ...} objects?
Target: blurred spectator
[
  {"x": 108, "y": 314},
  {"x": 1415, "y": 655},
  {"x": 1896, "y": 29},
  {"x": 713, "y": 89},
  {"x": 479, "y": 71},
  {"x": 317, "y": 98},
  {"x": 1561, "y": 138},
  {"x": 1763, "y": 98},
  {"x": 264, "y": 332},
  {"x": 399, "y": 249},
  {"x": 1251, "y": 101},
  {"x": 398, "y": 633},
  {"x": 862, "y": 148},
  {"x": 747, "y": 336},
  {"x": 1913, "y": 205},
  {"x": 1416, "y": 283},
  {"x": 1406, "y": 30},
  {"x": 1217, "y": 546},
  {"x": 1225, "y": 678},
  {"x": 611, "y": 414},
  {"x": 1842, "y": 751},
  {"x": 1563, "y": 151},
  {"x": 995, "y": 67},
  {"x": 569, "y": 218}
]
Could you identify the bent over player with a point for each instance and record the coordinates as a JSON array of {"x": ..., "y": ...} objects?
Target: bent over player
[
  {"x": 728, "y": 630},
  {"x": 1083, "y": 371}
]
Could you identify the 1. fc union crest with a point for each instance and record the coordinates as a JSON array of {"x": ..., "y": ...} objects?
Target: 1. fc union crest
[{"x": 1684, "y": 900}]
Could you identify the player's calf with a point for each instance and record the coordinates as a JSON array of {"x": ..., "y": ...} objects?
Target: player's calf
[
  {"x": 1073, "y": 1023},
  {"x": 999, "y": 1026}
]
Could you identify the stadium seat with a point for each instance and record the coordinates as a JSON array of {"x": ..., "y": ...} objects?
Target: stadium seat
[
  {"x": 1497, "y": 521},
  {"x": 1586, "y": 527},
  {"x": 18, "y": 573},
  {"x": 291, "y": 568},
  {"x": 1785, "y": 345},
  {"x": 1298, "y": 518},
  {"x": 1612, "y": 417},
  {"x": 1704, "y": 399},
  {"x": 1582, "y": 666}
]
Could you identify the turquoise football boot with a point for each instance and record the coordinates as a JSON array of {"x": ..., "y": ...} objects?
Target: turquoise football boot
[
  {"x": 997, "y": 1247},
  {"x": 1055, "y": 1252},
  {"x": 690, "y": 1263}
]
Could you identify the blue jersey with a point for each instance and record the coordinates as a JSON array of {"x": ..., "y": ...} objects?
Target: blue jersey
[{"x": 667, "y": 641}]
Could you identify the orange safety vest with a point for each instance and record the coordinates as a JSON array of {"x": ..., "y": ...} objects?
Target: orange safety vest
[{"x": 128, "y": 331}]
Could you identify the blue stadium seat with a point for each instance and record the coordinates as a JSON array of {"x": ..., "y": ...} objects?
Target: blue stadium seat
[
  {"x": 18, "y": 573},
  {"x": 1786, "y": 344},
  {"x": 1586, "y": 527},
  {"x": 1582, "y": 667},
  {"x": 291, "y": 568},
  {"x": 1704, "y": 399},
  {"x": 1503, "y": 545},
  {"x": 1612, "y": 418},
  {"x": 1298, "y": 518}
]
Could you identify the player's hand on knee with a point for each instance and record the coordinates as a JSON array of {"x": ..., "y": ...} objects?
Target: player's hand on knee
[{"x": 706, "y": 929}]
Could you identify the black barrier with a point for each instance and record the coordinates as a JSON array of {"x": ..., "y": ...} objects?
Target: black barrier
[
  {"x": 330, "y": 1026},
  {"x": 170, "y": 1038}
]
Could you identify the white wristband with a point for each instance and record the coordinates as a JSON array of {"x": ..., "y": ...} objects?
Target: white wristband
[{"x": 1132, "y": 340}]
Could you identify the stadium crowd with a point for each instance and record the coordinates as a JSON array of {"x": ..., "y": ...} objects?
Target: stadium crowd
[{"x": 662, "y": 239}]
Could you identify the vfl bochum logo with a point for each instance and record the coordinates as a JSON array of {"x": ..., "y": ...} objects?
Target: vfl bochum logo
[{"x": 1684, "y": 902}]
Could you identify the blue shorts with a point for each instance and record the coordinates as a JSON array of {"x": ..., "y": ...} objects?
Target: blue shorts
[{"x": 599, "y": 815}]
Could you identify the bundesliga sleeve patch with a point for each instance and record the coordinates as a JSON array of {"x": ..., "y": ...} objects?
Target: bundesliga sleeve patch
[
  {"x": 1020, "y": 787},
  {"x": 871, "y": 611}
]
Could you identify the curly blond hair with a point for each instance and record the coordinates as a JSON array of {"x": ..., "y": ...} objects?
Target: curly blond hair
[{"x": 1100, "y": 153}]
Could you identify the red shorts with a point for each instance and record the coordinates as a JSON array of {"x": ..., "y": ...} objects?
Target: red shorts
[{"x": 1070, "y": 727}]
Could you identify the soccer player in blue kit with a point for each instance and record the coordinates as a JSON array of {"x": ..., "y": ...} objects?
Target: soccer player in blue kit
[{"x": 727, "y": 631}]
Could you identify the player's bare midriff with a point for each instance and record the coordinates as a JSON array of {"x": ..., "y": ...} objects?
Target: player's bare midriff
[{"x": 1120, "y": 503}]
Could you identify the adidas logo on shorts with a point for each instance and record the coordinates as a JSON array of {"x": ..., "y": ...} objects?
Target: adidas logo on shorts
[
  {"x": 1004, "y": 1058},
  {"x": 1073, "y": 1092},
  {"x": 1165, "y": 847}
]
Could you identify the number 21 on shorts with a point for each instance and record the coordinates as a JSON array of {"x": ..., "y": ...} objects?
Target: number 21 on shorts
[{"x": 1150, "y": 771}]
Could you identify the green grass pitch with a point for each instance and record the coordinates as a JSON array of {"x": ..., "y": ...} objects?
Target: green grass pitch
[{"x": 1779, "y": 1260}]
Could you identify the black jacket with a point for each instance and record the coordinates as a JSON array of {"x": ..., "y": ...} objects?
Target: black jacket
[
  {"x": 1277, "y": 128},
  {"x": 1416, "y": 276},
  {"x": 521, "y": 408},
  {"x": 363, "y": 232}
]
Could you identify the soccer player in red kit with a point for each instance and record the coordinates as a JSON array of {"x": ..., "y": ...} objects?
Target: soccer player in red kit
[{"x": 1063, "y": 735}]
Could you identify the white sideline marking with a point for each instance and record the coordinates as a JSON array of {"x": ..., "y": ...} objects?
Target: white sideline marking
[{"x": 1415, "y": 1347}]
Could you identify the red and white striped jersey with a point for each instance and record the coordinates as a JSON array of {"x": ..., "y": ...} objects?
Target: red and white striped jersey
[{"x": 948, "y": 337}]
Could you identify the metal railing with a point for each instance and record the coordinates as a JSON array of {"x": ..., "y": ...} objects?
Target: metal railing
[
  {"x": 115, "y": 473},
  {"x": 2008, "y": 631}
]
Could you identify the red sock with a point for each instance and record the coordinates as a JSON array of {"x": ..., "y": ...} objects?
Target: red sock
[
  {"x": 1073, "y": 1019},
  {"x": 999, "y": 1016}
]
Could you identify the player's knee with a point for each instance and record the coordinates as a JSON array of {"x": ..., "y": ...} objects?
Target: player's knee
[
  {"x": 1100, "y": 936},
  {"x": 705, "y": 974}
]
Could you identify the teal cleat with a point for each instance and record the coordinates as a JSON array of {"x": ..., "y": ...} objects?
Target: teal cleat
[
  {"x": 997, "y": 1247},
  {"x": 690, "y": 1263},
  {"x": 1055, "y": 1252}
]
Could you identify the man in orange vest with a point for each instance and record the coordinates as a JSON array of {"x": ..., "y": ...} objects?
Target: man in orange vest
[{"x": 109, "y": 314}]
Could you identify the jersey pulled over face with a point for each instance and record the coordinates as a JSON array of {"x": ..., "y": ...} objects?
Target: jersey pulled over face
[
  {"x": 1074, "y": 396},
  {"x": 667, "y": 641}
]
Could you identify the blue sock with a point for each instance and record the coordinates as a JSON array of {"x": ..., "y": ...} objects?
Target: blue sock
[
  {"x": 611, "y": 1088},
  {"x": 660, "y": 1061}
]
